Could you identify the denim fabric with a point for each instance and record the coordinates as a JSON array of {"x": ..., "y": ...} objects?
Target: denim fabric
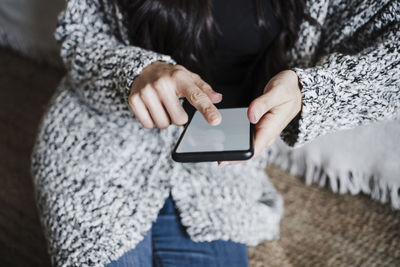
[{"x": 168, "y": 245}]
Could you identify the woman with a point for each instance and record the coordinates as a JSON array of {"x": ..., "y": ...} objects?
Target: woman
[{"x": 101, "y": 163}]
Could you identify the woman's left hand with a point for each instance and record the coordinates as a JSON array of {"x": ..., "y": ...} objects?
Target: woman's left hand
[{"x": 273, "y": 110}]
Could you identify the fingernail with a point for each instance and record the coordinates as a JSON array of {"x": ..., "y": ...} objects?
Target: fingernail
[
  {"x": 223, "y": 163},
  {"x": 214, "y": 119},
  {"x": 217, "y": 98}
]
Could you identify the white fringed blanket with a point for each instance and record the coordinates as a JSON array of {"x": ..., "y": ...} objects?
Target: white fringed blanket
[{"x": 365, "y": 159}]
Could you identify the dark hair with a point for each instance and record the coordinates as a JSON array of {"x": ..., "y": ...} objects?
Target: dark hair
[{"x": 185, "y": 29}]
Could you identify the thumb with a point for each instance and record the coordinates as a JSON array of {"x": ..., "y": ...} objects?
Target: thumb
[{"x": 262, "y": 104}]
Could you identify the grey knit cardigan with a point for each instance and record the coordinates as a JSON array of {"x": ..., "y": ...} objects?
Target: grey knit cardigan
[{"x": 100, "y": 177}]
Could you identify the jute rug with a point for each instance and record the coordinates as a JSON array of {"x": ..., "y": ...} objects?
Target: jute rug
[{"x": 319, "y": 228}]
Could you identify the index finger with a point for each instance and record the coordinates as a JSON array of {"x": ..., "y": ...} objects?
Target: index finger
[{"x": 202, "y": 103}]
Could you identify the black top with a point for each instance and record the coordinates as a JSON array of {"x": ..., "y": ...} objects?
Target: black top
[{"x": 240, "y": 48}]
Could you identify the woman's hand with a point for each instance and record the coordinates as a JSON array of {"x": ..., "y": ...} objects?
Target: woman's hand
[
  {"x": 155, "y": 93},
  {"x": 272, "y": 111}
]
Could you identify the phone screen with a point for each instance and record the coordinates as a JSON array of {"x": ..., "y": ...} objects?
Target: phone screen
[{"x": 232, "y": 134}]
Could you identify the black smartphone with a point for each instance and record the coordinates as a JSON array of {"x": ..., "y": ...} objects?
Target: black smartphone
[{"x": 232, "y": 139}]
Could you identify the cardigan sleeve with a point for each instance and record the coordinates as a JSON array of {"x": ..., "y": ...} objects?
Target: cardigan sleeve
[
  {"x": 100, "y": 65},
  {"x": 345, "y": 90}
]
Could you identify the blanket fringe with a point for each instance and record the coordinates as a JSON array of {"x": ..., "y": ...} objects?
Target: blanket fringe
[{"x": 349, "y": 181}]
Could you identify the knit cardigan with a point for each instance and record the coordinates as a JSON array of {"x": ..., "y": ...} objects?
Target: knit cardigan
[{"x": 100, "y": 177}]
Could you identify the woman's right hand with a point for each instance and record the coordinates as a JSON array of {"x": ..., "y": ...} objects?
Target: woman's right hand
[{"x": 155, "y": 93}]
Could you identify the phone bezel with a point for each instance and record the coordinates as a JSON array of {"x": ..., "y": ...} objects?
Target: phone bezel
[{"x": 206, "y": 156}]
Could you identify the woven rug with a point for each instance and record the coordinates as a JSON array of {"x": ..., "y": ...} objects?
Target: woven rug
[{"x": 319, "y": 228}]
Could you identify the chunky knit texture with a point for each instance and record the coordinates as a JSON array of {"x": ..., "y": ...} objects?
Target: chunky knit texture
[{"x": 101, "y": 178}]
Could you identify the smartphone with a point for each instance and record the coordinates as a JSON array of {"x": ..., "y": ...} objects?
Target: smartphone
[{"x": 232, "y": 139}]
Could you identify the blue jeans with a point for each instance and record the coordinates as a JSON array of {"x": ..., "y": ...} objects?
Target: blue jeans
[{"x": 167, "y": 244}]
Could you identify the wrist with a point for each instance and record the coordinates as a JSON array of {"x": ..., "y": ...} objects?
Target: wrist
[
  {"x": 296, "y": 78},
  {"x": 299, "y": 87}
]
